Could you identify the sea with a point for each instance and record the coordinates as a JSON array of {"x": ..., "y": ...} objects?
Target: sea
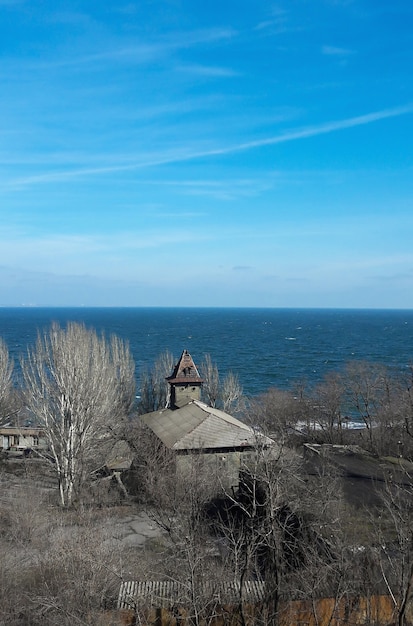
[{"x": 264, "y": 347}]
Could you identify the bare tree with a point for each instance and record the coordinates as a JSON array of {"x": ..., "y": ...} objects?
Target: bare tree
[
  {"x": 187, "y": 555},
  {"x": 226, "y": 395},
  {"x": 153, "y": 464},
  {"x": 328, "y": 406},
  {"x": 6, "y": 372},
  {"x": 399, "y": 420},
  {"x": 394, "y": 531},
  {"x": 77, "y": 384},
  {"x": 210, "y": 375},
  {"x": 154, "y": 389},
  {"x": 124, "y": 376},
  {"x": 408, "y": 402},
  {"x": 366, "y": 391},
  {"x": 231, "y": 393},
  {"x": 276, "y": 411}
]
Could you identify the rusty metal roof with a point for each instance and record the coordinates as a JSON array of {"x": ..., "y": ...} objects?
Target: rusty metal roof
[
  {"x": 185, "y": 371},
  {"x": 197, "y": 426}
]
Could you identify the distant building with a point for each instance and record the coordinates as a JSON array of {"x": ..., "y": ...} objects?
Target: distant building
[{"x": 23, "y": 438}]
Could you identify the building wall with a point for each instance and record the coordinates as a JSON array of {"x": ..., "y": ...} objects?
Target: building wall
[
  {"x": 21, "y": 440},
  {"x": 220, "y": 469},
  {"x": 183, "y": 393}
]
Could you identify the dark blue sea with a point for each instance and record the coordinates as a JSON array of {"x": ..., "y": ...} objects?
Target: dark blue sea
[{"x": 265, "y": 347}]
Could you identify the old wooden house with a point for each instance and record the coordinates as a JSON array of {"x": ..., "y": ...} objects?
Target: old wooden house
[{"x": 188, "y": 427}]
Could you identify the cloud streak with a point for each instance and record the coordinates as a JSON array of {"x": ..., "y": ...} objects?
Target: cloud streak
[
  {"x": 145, "y": 52},
  {"x": 334, "y": 51},
  {"x": 147, "y": 161},
  {"x": 69, "y": 249},
  {"x": 208, "y": 71}
]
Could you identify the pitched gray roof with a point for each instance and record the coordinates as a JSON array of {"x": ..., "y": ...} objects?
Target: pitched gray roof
[{"x": 197, "y": 426}]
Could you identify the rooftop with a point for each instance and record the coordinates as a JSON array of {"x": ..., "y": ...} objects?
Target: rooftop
[
  {"x": 197, "y": 426},
  {"x": 185, "y": 371}
]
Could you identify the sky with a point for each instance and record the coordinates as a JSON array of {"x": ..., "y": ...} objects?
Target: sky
[{"x": 193, "y": 153}]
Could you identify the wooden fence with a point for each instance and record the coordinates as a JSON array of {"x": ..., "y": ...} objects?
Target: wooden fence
[{"x": 151, "y": 604}]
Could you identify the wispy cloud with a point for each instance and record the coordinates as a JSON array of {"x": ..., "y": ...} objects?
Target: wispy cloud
[
  {"x": 207, "y": 71},
  {"x": 20, "y": 247},
  {"x": 143, "y": 52},
  {"x": 321, "y": 129},
  {"x": 390, "y": 278},
  {"x": 338, "y": 52},
  {"x": 276, "y": 22},
  {"x": 372, "y": 262},
  {"x": 228, "y": 189},
  {"x": 185, "y": 154},
  {"x": 179, "y": 215}
]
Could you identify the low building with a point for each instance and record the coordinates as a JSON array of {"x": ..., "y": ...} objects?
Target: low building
[{"x": 20, "y": 439}]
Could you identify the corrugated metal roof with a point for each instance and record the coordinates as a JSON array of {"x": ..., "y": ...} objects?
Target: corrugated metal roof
[
  {"x": 164, "y": 594},
  {"x": 197, "y": 426}
]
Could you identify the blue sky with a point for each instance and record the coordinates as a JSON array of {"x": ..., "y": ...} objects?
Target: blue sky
[{"x": 192, "y": 153}]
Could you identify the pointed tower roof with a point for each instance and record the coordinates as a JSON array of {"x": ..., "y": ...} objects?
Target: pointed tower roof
[{"x": 185, "y": 371}]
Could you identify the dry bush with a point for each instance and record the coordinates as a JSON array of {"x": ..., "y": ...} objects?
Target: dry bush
[
  {"x": 74, "y": 580},
  {"x": 57, "y": 567},
  {"x": 25, "y": 519}
]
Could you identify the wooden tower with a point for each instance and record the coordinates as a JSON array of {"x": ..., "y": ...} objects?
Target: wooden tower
[{"x": 185, "y": 382}]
